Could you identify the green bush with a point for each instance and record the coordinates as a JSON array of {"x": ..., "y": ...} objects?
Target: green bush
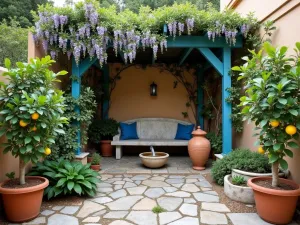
[
  {"x": 67, "y": 177},
  {"x": 96, "y": 158},
  {"x": 216, "y": 142},
  {"x": 238, "y": 180},
  {"x": 103, "y": 130},
  {"x": 242, "y": 159}
]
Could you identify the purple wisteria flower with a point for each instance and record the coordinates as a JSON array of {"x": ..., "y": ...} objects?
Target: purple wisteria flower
[{"x": 56, "y": 20}]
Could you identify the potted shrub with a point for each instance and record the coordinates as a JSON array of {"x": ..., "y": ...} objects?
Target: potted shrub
[
  {"x": 102, "y": 131},
  {"x": 95, "y": 163},
  {"x": 30, "y": 118},
  {"x": 272, "y": 82}
]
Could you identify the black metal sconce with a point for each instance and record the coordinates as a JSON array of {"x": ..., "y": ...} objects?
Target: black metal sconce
[{"x": 153, "y": 89}]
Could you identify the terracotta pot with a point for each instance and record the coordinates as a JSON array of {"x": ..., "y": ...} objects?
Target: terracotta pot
[
  {"x": 23, "y": 204},
  {"x": 96, "y": 167},
  {"x": 106, "y": 148},
  {"x": 275, "y": 206},
  {"x": 199, "y": 148}
]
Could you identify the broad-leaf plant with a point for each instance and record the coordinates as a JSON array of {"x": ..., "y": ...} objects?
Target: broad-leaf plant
[
  {"x": 31, "y": 110},
  {"x": 272, "y": 83}
]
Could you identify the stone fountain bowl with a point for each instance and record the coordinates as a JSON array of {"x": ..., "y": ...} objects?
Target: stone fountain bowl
[{"x": 157, "y": 161}]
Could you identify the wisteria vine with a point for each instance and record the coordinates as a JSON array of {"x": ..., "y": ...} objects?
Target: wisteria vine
[{"x": 93, "y": 34}]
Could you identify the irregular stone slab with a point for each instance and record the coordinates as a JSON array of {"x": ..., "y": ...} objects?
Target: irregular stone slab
[
  {"x": 102, "y": 200},
  {"x": 158, "y": 178},
  {"x": 189, "y": 200},
  {"x": 128, "y": 175},
  {"x": 174, "y": 181},
  {"x": 145, "y": 204},
  {"x": 56, "y": 208},
  {"x": 128, "y": 180},
  {"x": 120, "y": 222},
  {"x": 189, "y": 209},
  {"x": 89, "y": 208},
  {"x": 216, "y": 207},
  {"x": 92, "y": 224},
  {"x": 118, "y": 194},
  {"x": 137, "y": 190},
  {"x": 138, "y": 182},
  {"x": 169, "y": 203},
  {"x": 176, "y": 177},
  {"x": 100, "y": 213},
  {"x": 38, "y": 220},
  {"x": 105, "y": 190},
  {"x": 124, "y": 203},
  {"x": 91, "y": 219},
  {"x": 115, "y": 215},
  {"x": 201, "y": 197},
  {"x": 211, "y": 193},
  {"x": 186, "y": 221},
  {"x": 195, "y": 177},
  {"x": 154, "y": 192},
  {"x": 106, "y": 176},
  {"x": 70, "y": 210},
  {"x": 47, "y": 212},
  {"x": 246, "y": 218},
  {"x": 177, "y": 185},
  {"x": 119, "y": 182},
  {"x": 60, "y": 219},
  {"x": 114, "y": 179},
  {"x": 118, "y": 176},
  {"x": 170, "y": 189},
  {"x": 142, "y": 217},
  {"x": 188, "y": 181},
  {"x": 205, "y": 189},
  {"x": 167, "y": 217},
  {"x": 118, "y": 187},
  {"x": 155, "y": 183},
  {"x": 208, "y": 217},
  {"x": 181, "y": 194},
  {"x": 190, "y": 188},
  {"x": 129, "y": 184},
  {"x": 203, "y": 184},
  {"x": 141, "y": 177},
  {"x": 103, "y": 185}
]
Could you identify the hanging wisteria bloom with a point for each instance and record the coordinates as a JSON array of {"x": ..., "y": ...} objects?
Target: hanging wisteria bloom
[{"x": 190, "y": 25}]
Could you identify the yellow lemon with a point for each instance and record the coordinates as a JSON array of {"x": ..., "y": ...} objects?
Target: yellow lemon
[
  {"x": 47, "y": 151},
  {"x": 35, "y": 116},
  {"x": 34, "y": 128},
  {"x": 22, "y": 123},
  {"x": 291, "y": 130},
  {"x": 274, "y": 123},
  {"x": 261, "y": 150}
]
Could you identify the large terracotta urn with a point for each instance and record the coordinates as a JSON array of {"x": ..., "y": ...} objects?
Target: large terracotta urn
[{"x": 199, "y": 149}]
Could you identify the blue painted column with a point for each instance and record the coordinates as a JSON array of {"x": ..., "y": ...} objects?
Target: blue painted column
[
  {"x": 106, "y": 81},
  {"x": 75, "y": 94},
  {"x": 200, "y": 97},
  {"x": 226, "y": 107}
]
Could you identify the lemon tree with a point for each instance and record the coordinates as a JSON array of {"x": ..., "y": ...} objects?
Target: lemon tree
[
  {"x": 272, "y": 81},
  {"x": 31, "y": 110}
]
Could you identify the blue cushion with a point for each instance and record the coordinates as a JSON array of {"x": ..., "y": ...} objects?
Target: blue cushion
[
  {"x": 128, "y": 131},
  {"x": 184, "y": 132}
]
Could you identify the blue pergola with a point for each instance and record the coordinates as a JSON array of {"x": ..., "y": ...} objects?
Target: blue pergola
[{"x": 221, "y": 63}]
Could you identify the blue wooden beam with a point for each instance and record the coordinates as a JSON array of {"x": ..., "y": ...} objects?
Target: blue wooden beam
[
  {"x": 106, "y": 82},
  {"x": 212, "y": 58},
  {"x": 185, "y": 55},
  {"x": 200, "y": 97},
  {"x": 226, "y": 107},
  {"x": 202, "y": 42},
  {"x": 165, "y": 29}
]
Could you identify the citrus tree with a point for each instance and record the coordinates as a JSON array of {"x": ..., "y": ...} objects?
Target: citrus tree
[
  {"x": 272, "y": 83},
  {"x": 31, "y": 110}
]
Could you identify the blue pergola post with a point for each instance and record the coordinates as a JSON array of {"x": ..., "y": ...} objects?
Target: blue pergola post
[
  {"x": 226, "y": 106},
  {"x": 200, "y": 96}
]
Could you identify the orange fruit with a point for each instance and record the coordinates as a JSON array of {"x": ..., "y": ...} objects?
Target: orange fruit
[
  {"x": 291, "y": 130},
  {"x": 47, "y": 151},
  {"x": 274, "y": 123},
  {"x": 35, "y": 116},
  {"x": 34, "y": 128},
  {"x": 22, "y": 123},
  {"x": 261, "y": 150}
]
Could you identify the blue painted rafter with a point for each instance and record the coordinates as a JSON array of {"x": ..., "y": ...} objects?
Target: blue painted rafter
[
  {"x": 185, "y": 55},
  {"x": 213, "y": 59}
]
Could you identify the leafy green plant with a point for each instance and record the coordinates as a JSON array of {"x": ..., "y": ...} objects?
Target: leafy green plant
[
  {"x": 31, "y": 110},
  {"x": 10, "y": 175},
  {"x": 216, "y": 142},
  {"x": 242, "y": 159},
  {"x": 103, "y": 130},
  {"x": 67, "y": 177},
  {"x": 272, "y": 82},
  {"x": 96, "y": 158},
  {"x": 238, "y": 180},
  {"x": 158, "y": 209}
]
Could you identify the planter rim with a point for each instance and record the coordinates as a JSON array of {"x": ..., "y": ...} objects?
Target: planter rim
[
  {"x": 273, "y": 191},
  {"x": 156, "y": 157},
  {"x": 226, "y": 178},
  {"x": 105, "y": 141},
  {"x": 27, "y": 189},
  {"x": 254, "y": 174}
]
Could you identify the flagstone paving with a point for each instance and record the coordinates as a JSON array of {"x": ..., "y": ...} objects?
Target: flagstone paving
[{"x": 187, "y": 199}]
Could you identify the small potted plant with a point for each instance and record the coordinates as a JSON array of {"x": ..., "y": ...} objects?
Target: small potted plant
[
  {"x": 272, "y": 82},
  {"x": 31, "y": 110},
  {"x": 102, "y": 131},
  {"x": 95, "y": 163}
]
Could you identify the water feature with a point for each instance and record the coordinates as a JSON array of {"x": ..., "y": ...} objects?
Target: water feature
[{"x": 152, "y": 150}]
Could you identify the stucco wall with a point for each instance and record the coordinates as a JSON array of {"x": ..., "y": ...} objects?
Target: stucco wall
[{"x": 286, "y": 15}]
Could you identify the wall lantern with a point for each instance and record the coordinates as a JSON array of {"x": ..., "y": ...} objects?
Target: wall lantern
[{"x": 153, "y": 89}]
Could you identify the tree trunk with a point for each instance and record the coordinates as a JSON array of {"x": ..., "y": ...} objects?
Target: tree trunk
[
  {"x": 22, "y": 166},
  {"x": 275, "y": 174}
]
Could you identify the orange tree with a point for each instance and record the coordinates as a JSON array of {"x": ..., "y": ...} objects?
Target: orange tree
[
  {"x": 30, "y": 110},
  {"x": 272, "y": 83}
]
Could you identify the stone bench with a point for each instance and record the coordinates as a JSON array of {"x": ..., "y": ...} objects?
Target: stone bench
[{"x": 151, "y": 132}]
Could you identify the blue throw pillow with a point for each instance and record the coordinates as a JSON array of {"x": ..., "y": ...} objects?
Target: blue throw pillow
[
  {"x": 184, "y": 132},
  {"x": 128, "y": 131}
]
